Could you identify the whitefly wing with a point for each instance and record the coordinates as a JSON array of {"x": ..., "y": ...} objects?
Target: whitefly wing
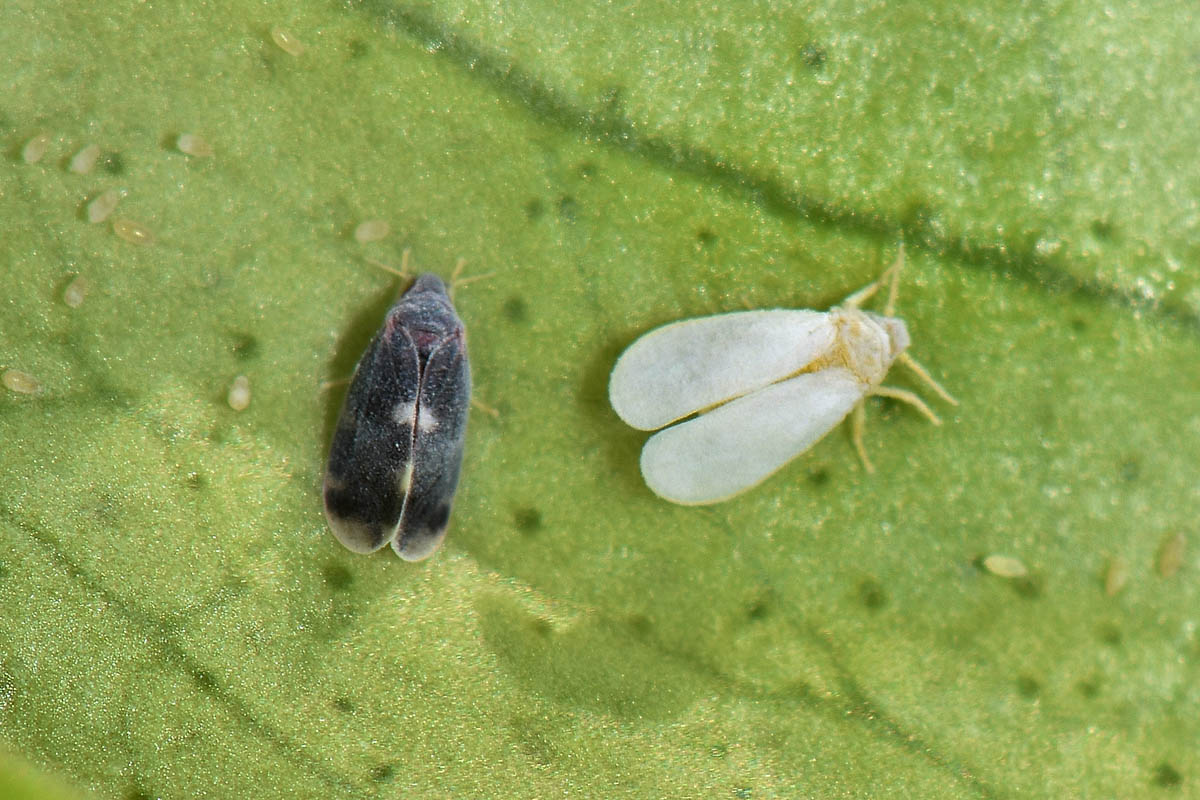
[
  {"x": 733, "y": 447},
  {"x": 689, "y": 366}
]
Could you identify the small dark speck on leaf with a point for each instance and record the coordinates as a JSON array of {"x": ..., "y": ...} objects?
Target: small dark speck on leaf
[
  {"x": 534, "y": 209},
  {"x": 758, "y": 610},
  {"x": 1103, "y": 228},
  {"x": 343, "y": 705},
  {"x": 1089, "y": 688},
  {"x": 568, "y": 207},
  {"x": 245, "y": 346},
  {"x": 337, "y": 577},
  {"x": 383, "y": 773},
  {"x": 918, "y": 219},
  {"x": 705, "y": 238},
  {"x": 813, "y": 55},
  {"x": 612, "y": 99},
  {"x": 640, "y": 625},
  {"x": 1130, "y": 470},
  {"x": 1028, "y": 587},
  {"x": 358, "y": 48},
  {"x": 872, "y": 595},
  {"x": 204, "y": 679},
  {"x": 515, "y": 310},
  {"x": 1028, "y": 687},
  {"x": 587, "y": 170},
  {"x": 818, "y": 476},
  {"x": 1078, "y": 325},
  {"x": 1110, "y": 634},
  {"x": 944, "y": 92},
  {"x": 113, "y": 163},
  {"x": 195, "y": 480},
  {"x": 1167, "y": 776},
  {"x": 527, "y": 519}
]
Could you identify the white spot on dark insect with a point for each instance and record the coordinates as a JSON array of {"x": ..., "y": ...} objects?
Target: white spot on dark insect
[
  {"x": 426, "y": 421},
  {"x": 404, "y": 413}
]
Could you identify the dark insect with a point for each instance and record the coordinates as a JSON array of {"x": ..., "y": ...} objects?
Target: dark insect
[{"x": 398, "y": 447}]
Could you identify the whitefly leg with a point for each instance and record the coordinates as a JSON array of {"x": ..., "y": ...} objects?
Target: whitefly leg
[
  {"x": 457, "y": 280},
  {"x": 858, "y": 425},
  {"x": 864, "y": 294},
  {"x": 402, "y": 271},
  {"x": 923, "y": 374},
  {"x": 889, "y": 310},
  {"x": 905, "y": 396}
]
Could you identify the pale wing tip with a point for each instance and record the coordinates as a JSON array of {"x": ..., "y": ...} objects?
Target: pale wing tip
[
  {"x": 418, "y": 546},
  {"x": 628, "y": 391},
  {"x": 665, "y": 494},
  {"x": 665, "y": 478},
  {"x": 357, "y": 536}
]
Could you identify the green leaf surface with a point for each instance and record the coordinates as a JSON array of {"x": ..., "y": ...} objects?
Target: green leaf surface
[{"x": 176, "y": 619}]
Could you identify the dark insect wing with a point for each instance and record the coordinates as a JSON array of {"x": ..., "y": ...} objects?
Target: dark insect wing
[
  {"x": 443, "y": 404},
  {"x": 372, "y": 446}
]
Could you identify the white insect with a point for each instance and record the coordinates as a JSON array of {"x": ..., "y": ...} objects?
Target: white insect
[{"x": 764, "y": 385}]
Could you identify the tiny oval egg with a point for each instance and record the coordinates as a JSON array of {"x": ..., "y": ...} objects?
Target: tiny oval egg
[
  {"x": 76, "y": 291},
  {"x": 132, "y": 232},
  {"x": 20, "y": 382},
  {"x": 1170, "y": 555},
  {"x": 1005, "y": 566},
  {"x": 1116, "y": 576},
  {"x": 85, "y": 160},
  {"x": 287, "y": 42},
  {"x": 35, "y": 148},
  {"x": 239, "y": 393},
  {"x": 193, "y": 144},
  {"x": 371, "y": 230},
  {"x": 103, "y": 205}
]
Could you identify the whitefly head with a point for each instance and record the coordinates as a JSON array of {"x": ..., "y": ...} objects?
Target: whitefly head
[
  {"x": 866, "y": 343},
  {"x": 897, "y": 333},
  {"x": 425, "y": 307},
  {"x": 427, "y": 289}
]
